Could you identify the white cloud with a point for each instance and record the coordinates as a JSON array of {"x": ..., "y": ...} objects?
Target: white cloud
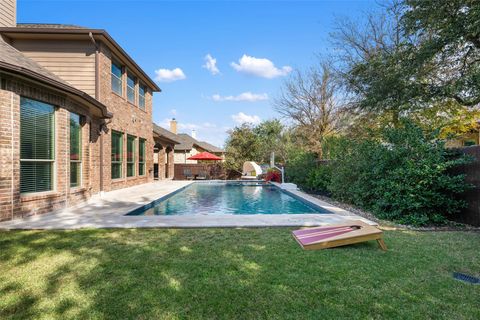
[
  {"x": 211, "y": 64},
  {"x": 246, "y": 96},
  {"x": 260, "y": 67},
  {"x": 173, "y": 112},
  {"x": 166, "y": 75},
  {"x": 245, "y": 118}
]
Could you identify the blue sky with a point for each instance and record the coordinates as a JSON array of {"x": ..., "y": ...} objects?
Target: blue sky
[{"x": 255, "y": 45}]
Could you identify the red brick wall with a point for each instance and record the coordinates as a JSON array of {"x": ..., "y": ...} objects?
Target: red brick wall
[
  {"x": 12, "y": 203},
  {"x": 9, "y": 152},
  {"x": 129, "y": 119}
]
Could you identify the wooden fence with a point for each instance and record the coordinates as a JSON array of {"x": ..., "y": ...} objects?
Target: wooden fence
[
  {"x": 213, "y": 171},
  {"x": 471, "y": 214}
]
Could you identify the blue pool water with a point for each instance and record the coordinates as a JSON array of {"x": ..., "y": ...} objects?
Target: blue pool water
[{"x": 228, "y": 198}]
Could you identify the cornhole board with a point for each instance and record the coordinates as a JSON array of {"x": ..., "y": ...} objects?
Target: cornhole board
[{"x": 346, "y": 233}]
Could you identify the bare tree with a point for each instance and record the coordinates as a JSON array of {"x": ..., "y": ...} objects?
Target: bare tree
[
  {"x": 310, "y": 99},
  {"x": 380, "y": 32},
  {"x": 368, "y": 53}
]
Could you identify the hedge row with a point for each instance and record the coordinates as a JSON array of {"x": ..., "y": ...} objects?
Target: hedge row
[{"x": 400, "y": 175}]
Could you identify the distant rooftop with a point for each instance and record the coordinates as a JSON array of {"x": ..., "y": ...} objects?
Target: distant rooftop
[
  {"x": 165, "y": 133},
  {"x": 187, "y": 143}
]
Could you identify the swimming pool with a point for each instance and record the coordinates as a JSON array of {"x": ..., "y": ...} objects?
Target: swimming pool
[{"x": 218, "y": 198}]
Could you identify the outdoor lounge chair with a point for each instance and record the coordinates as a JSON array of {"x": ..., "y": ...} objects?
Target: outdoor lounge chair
[
  {"x": 337, "y": 235},
  {"x": 202, "y": 175},
  {"x": 187, "y": 173}
]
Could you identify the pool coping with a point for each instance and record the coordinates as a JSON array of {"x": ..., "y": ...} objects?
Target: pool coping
[{"x": 109, "y": 211}]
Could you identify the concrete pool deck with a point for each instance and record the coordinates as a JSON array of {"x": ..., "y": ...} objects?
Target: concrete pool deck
[{"x": 109, "y": 209}]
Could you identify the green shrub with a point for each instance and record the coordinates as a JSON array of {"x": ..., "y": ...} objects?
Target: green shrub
[
  {"x": 299, "y": 166},
  {"x": 403, "y": 178},
  {"x": 319, "y": 178},
  {"x": 304, "y": 170}
]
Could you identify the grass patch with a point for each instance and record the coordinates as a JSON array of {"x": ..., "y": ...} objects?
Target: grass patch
[{"x": 228, "y": 274}]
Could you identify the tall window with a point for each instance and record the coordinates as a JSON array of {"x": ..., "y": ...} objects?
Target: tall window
[
  {"x": 130, "y": 156},
  {"x": 117, "y": 78},
  {"x": 37, "y": 135},
  {"x": 117, "y": 154},
  {"x": 141, "y": 157},
  {"x": 75, "y": 150},
  {"x": 141, "y": 96},
  {"x": 131, "y": 88}
]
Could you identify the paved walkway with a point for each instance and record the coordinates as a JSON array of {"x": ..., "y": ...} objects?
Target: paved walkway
[{"x": 108, "y": 211}]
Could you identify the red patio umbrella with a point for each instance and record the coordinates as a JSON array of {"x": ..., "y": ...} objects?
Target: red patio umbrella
[{"x": 205, "y": 156}]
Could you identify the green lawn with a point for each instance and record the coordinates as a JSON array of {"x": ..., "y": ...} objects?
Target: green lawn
[{"x": 233, "y": 273}]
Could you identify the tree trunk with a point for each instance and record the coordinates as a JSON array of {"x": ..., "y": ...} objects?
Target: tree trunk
[{"x": 395, "y": 118}]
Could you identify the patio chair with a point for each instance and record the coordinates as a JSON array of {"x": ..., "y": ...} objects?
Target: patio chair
[
  {"x": 187, "y": 173},
  {"x": 202, "y": 175},
  {"x": 337, "y": 235}
]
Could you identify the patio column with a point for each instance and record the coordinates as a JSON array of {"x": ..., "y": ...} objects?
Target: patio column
[
  {"x": 161, "y": 163},
  {"x": 171, "y": 163}
]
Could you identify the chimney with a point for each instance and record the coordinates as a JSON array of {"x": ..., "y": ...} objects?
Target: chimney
[
  {"x": 194, "y": 134},
  {"x": 173, "y": 125},
  {"x": 8, "y": 18}
]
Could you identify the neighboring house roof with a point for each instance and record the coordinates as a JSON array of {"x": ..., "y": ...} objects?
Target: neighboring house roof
[
  {"x": 165, "y": 134},
  {"x": 75, "y": 32},
  {"x": 210, "y": 147},
  {"x": 188, "y": 142},
  {"x": 14, "y": 62}
]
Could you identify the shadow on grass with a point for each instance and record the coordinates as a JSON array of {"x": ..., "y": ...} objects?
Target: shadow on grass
[{"x": 219, "y": 273}]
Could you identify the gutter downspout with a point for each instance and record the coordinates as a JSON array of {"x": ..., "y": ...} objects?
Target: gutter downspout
[
  {"x": 97, "y": 97},
  {"x": 13, "y": 158},
  {"x": 67, "y": 161}
]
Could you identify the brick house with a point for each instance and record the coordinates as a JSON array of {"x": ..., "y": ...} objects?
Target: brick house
[
  {"x": 75, "y": 116},
  {"x": 189, "y": 146}
]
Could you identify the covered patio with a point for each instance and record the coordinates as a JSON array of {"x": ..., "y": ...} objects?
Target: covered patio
[{"x": 163, "y": 154}]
